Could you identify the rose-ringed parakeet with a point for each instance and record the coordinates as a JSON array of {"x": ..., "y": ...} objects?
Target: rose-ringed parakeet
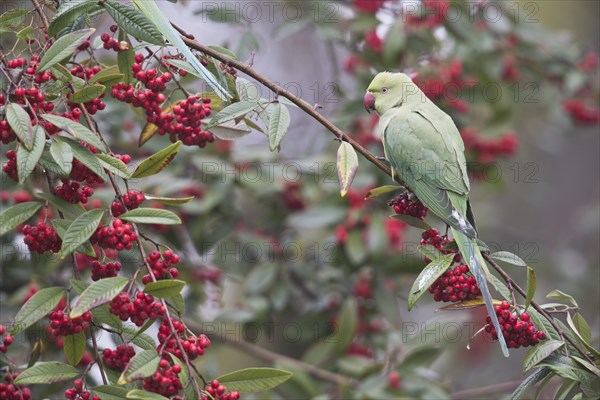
[{"x": 426, "y": 151}]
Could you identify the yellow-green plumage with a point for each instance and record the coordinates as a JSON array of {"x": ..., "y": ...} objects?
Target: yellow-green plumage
[{"x": 425, "y": 149}]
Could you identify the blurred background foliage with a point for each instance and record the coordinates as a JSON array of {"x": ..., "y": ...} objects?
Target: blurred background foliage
[{"x": 276, "y": 258}]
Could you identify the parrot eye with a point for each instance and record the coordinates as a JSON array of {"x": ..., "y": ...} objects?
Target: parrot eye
[{"x": 384, "y": 90}]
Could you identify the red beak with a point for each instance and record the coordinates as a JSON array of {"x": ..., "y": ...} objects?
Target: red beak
[{"x": 369, "y": 102}]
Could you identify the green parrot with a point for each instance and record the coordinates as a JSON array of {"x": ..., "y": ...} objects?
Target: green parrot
[{"x": 426, "y": 151}]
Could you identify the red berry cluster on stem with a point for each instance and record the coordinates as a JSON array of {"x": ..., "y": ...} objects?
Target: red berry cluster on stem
[
  {"x": 10, "y": 391},
  {"x": 77, "y": 392},
  {"x": 41, "y": 238},
  {"x": 165, "y": 381},
  {"x": 161, "y": 265},
  {"x": 219, "y": 392},
  {"x": 518, "y": 331},
  {"x": 139, "y": 310},
  {"x": 108, "y": 270},
  {"x": 119, "y": 236},
  {"x": 10, "y": 168},
  {"x": 73, "y": 192},
  {"x": 194, "y": 346},
  {"x": 111, "y": 44},
  {"x": 119, "y": 357},
  {"x": 6, "y": 340},
  {"x": 487, "y": 150},
  {"x": 433, "y": 237},
  {"x": 456, "y": 284},
  {"x": 406, "y": 205},
  {"x": 132, "y": 200},
  {"x": 429, "y": 14},
  {"x": 62, "y": 325},
  {"x": 582, "y": 113}
]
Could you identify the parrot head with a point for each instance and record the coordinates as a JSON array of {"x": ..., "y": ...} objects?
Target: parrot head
[{"x": 388, "y": 90}]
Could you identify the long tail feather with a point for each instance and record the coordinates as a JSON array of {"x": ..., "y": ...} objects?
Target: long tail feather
[{"x": 472, "y": 256}]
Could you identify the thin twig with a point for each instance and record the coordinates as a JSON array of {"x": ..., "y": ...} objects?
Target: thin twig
[{"x": 39, "y": 10}]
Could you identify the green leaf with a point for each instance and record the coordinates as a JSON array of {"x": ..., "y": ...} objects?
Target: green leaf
[
  {"x": 126, "y": 58},
  {"x": 247, "y": 90},
  {"x": 157, "y": 162},
  {"x": 158, "y": 216},
  {"x": 500, "y": 287},
  {"x": 76, "y": 129},
  {"x": 232, "y": 112},
  {"x": 412, "y": 221},
  {"x": 15, "y": 215},
  {"x": 509, "y": 257},
  {"x": 109, "y": 392},
  {"x": 530, "y": 381},
  {"x": 139, "y": 339},
  {"x": 134, "y": 22},
  {"x": 20, "y": 122},
  {"x": 108, "y": 76},
  {"x": 70, "y": 211},
  {"x": 347, "y": 165},
  {"x": 69, "y": 11},
  {"x": 80, "y": 231},
  {"x": 62, "y": 73},
  {"x": 13, "y": 18},
  {"x": 580, "y": 326},
  {"x": 61, "y": 226},
  {"x": 466, "y": 305},
  {"x": 562, "y": 296},
  {"x": 98, "y": 293},
  {"x": 74, "y": 347},
  {"x": 231, "y": 130},
  {"x": 430, "y": 251},
  {"x": 78, "y": 286},
  {"x": 28, "y": 159},
  {"x": 114, "y": 165},
  {"x": 62, "y": 155},
  {"x": 430, "y": 273},
  {"x": 531, "y": 284},
  {"x": 27, "y": 33},
  {"x": 347, "y": 323},
  {"x": 151, "y": 10},
  {"x": 538, "y": 353},
  {"x": 171, "y": 201},
  {"x": 63, "y": 48},
  {"x": 164, "y": 288},
  {"x": 36, "y": 308},
  {"x": 138, "y": 394},
  {"x": 47, "y": 372},
  {"x": 279, "y": 123},
  {"x": 378, "y": 191},
  {"x": 142, "y": 365},
  {"x": 253, "y": 380},
  {"x": 102, "y": 315},
  {"x": 88, "y": 93},
  {"x": 85, "y": 156}
]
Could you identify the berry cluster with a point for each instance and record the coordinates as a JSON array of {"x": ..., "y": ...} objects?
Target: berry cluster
[
  {"x": 118, "y": 358},
  {"x": 119, "y": 236},
  {"x": 439, "y": 78},
  {"x": 139, "y": 310},
  {"x": 85, "y": 73},
  {"x": 10, "y": 391},
  {"x": 582, "y": 113},
  {"x": 170, "y": 67},
  {"x": 182, "y": 122},
  {"x": 363, "y": 286},
  {"x": 78, "y": 393},
  {"x": 7, "y": 135},
  {"x": 62, "y": 325},
  {"x": 433, "y": 237},
  {"x": 394, "y": 380},
  {"x": 194, "y": 346},
  {"x": 406, "y": 205},
  {"x": 216, "y": 391},
  {"x": 132, "y": 199},
  {"x": 517, "y": 330},
  {"x": 165, "y": 381},
  {"x": 112, "y": 44},
  {"x": 6, "y": 340},
  {"x": 456, "y": 284},
  {"x": 108, "y": 270},
  {"x": 73, "y": 192},
  {"x": 10, "y": 168},
  {"x": 368, "y": 6},
  {"x": 487, "y": 150},
  {"x": 161, "y": 264},
  {"x": 41, "y": 238},
  {"x": 373, "y": 41},
  {"x": 207, "y": 274}
]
